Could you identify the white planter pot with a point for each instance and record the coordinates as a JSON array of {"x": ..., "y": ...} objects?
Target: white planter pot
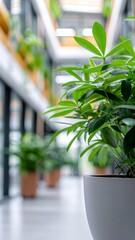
[{"x": 110, "y": 207}]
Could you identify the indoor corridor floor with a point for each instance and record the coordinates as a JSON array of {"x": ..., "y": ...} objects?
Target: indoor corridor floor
[{"x": 56, "y": 214}]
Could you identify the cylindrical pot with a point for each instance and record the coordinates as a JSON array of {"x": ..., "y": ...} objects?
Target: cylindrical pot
[
  {"x": 110, "y": 207},
  {"x": 29, "y": 183},
  {"x": 52, "y": 177}
]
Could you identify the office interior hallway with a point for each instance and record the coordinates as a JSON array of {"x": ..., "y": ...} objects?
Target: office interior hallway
[{"x": 56, "y": 214}]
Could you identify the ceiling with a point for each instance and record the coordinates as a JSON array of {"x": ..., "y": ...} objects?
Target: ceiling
[{"x": 92, "y": 6}]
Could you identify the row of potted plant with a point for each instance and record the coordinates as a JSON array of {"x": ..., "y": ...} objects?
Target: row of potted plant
[{"x": 37, "y": 156}]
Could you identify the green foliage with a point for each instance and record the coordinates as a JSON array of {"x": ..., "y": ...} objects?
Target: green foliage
[
  {"x": 103, "y": 102},
  {"x": 32, "y": 50},
  {"x": 107, "y": 8},
  {"x": 55, "y": 155},
  {"x": 55, "y": 9},
  {"x": 30, "y": 151}
]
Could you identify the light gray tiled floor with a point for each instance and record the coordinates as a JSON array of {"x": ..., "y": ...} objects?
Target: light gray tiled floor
[{"x": 56, "y": 214}]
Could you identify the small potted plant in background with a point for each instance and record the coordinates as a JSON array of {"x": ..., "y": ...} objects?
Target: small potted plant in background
[
  {"x": 30, "y": 47},
  {"x": 56, "y": 157},
  {"x": 103, "y": 103},
  {"x": 30, "y": 152}
]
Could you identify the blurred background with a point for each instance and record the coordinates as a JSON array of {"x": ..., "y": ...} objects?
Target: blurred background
[{"x": 37, "y": 37}]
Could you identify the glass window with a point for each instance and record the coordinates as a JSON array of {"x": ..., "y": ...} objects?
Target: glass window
[
  {"x": 7, "y": 3},
  {"x": 1, "y": 138},
  {"x": 28, "y": 119},
  {"x": 29, "y": 16},
  {"x": 14, "y": 135}
]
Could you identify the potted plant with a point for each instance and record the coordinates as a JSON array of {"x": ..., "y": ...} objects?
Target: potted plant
[
  {"x": 30, "y": 152},
  {"x": 103, "y": 103},
  {"x": 30, "y": 47},
  {"x": 56, "y": 157}
]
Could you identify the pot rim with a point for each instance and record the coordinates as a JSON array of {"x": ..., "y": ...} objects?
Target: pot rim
[{"x": 108, "y": 176}]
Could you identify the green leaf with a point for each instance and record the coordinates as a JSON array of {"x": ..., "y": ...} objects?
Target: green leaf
[
  {"x": 86, "y": 75},
  {"x": 117, "y": 48},
  {"x": 67, "y": 103},
  {"x": 90, "y": 138},
  {"x": 129, "y": 121},
  {"x": 72, "y": 90},
  {"x": 68, "y": 69},
  {"x": 118, "y": 63},
  {"x": 100, "y": 36},
  {"x": 103, "y": 156},
  {"x": 128, "y": 47},
  {"x": 74, "y": 126},
  {"x": 53, "y": 109},
  {"x": 126, "y": 89},
  {"x": 96, "y": 123},
  {"x": 108, "y": 95},
  {"x": 92, "y": 63},
  {"x": 87, "y": 45},
  {"x": 72, "y": 73},
  {"x": 130, "y": 18},
  {"x": 112, "y": 79},
  {"x": 62, "y": 113},
  {"x": 94, "y": 69},
  {"x": 86, "y": 95},
  {"x": 58, "y": 133},
  {"x": 89, "y": 148},
  {"x": 77, "y": 136},
  {"x": 125, "y": 113},
  {"x": 109, "y": 137},
  {"x": 129, "y": 141},
  {"x": 71, "y": 83},
  {"x": 132, "y": 107},
  {"x": 116, "y": 128},
  {"x": 94, "y": 152}
]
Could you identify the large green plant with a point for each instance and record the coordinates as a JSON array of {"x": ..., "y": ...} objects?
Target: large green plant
[
  {"x": 30, "y": 150},
  {"x": 103, "y": 100}
]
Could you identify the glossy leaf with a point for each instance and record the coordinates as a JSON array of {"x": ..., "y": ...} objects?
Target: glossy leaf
[
  {"x": 87, "y": 45},
  {"x": 126, "y": 89},
  {"x": 86, "y": 75},
  {"x": 96, "y": 123},
  {"x": 130, "y": 18},
  {"x": 62, "y": 113},
  {"x": 116, "y": 49},
  {"x": 53, "y": 109},
  {"x": 86, "y": 95},
  {"x": 129, "y": 141},
  {"x": 129, "y": 121},
  {"x": 128, "y": 46},
  {"x": 102, "y": 157},
  {"x": 69, "y": 69},
  {"x": 70, "y": 83},
  {"x": 93, "y": 147},
  {"x": 72, "y": 73},
  {"x": 94, "y": 152},
  {"x": 109, "y": 137},
  {"x": 94, "y": 69},
  {"x": 54, "y": 136},
  {"x": 108, "y": 95},
  {"x": 100, "y": 36},
  {"x": 77, "y": 136},
  {"x": 67, "y": 103},
  {"x": 132, "y": 107}
]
